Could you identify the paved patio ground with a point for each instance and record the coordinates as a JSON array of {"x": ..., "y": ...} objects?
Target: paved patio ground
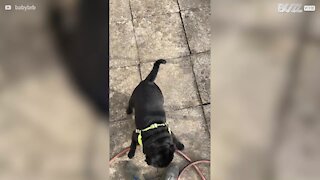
[{"x": 142, "y": 31}]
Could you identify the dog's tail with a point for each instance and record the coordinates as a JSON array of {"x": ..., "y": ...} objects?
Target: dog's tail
[{"x": 153, "y": 74}]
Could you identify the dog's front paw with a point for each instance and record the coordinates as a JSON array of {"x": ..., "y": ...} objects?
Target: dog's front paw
[
  {"x": 180, "y": 146},
  {"x": 131, "y": 154}
]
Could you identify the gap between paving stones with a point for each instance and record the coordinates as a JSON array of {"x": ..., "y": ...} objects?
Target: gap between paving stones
[
  {"x": 184, "y": 29},
  {"x": 202, "y": 108},
  {"x": 178, "y": 109},
  {"x": 169, "y": 59},
  {"x": 135, "y": 38},
  {"x": 134, "y": 32}
]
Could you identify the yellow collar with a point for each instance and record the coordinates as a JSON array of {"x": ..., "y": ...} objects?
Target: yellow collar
[{"x": 152, "y": 126}]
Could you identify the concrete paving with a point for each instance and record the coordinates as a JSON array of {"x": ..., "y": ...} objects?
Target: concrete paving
[
  {"x": 177, "y": 83},
  {"x": 119, "y": 10},
  {"x": 123, "y": 47},
  {"x": 122, "y": 83},
  {"x": 201, "y": 67},
  {"x": 148, "y": 8},
  {"x": 191, "y": 4},
  {"x": 197, "y": 26},
  {"x": 178, "y": 32},
  {"x": 160, "y": 36}
]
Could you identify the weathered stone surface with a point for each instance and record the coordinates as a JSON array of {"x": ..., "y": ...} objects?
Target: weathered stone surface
[
  {"x": 190, "y": 128},
  {"x": 160, "y": 37},
  {"x": 201, "y": 67},
  {"x": 123, "y": 49},
  {"x": 176, "y": 82},
  {"x": 119, "y": 10},
  {"x": 120, "y": 135},
  {"x": 207, "y": 114},
  {"x": 189, "y": 4},
  {"x": 146, "y": 8},
  {"x": 197, "y": 26},
  {"x": 122, "y": 83}
]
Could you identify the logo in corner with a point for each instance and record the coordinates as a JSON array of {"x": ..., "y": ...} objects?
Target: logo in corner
[{"x": 290, "y": 8}]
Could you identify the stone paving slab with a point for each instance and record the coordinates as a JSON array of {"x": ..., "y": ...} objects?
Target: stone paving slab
[
  {"x": 146, "y": 8},
  {"x": 120, "y": 135},
  {"x": 119, "y": 10},
  {"x": 197, "y": 26},
  {"x": 189, "y": 4},
  {"x": 190, "y": 128},
  {"x": 180, "y": 122},
  {"x": 122, "y": 83},
  {"x": 123, "y": 49},
  {"x": 207, "y": 112},
  {"x": 160, "y": 36},
  {"x": 201, "y": 67},
  {"x": 177, "y": 83}
]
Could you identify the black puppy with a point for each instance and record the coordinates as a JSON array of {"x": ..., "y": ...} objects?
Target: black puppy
[{"x": 152, "y": 132}]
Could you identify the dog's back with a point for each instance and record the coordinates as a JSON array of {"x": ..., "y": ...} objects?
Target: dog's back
[
  {"x": 158, "y": 141},
  {"x": 147, "y": 99}
]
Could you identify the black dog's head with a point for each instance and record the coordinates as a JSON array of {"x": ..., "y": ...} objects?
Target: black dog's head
[{"x": 160, "y": 154}]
